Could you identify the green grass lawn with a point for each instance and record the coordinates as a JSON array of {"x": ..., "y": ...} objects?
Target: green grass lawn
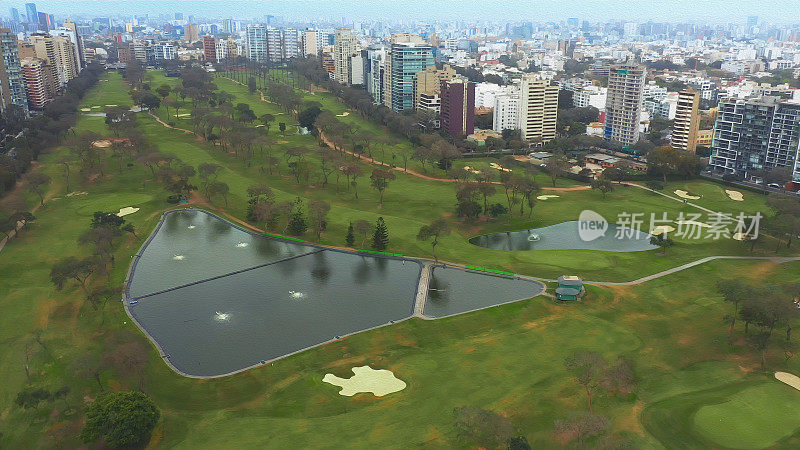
[
  {"x": 508, "y": 359},
  {"x": 756, "y": 417}
]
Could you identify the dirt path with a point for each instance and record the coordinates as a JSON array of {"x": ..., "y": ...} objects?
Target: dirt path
[{"x": 170, "y": 126}]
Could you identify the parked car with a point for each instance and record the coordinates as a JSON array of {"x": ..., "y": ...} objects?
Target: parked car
[{"x": 774, "y": 186}]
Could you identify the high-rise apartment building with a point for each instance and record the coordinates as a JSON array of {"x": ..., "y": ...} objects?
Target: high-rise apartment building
[
  {"x": 538, "y": 109},
  {"x": 687, "y": 121},
  {"x": 67, "y": 63},
  {"x": 290, "y": 43},
  {"x": 345, "y": 46},
  {"x": 45, "y": 50},
  {"x": 428, "y": 82},
  {"x": 274, "y": 44},
  {"x": 70, "y": 29},
  {"x": 754, "y": 134},
  {"x": 624, "y": 104},
  {"x": 257, "y": 43},
  {"x": 458, "y": 107},
  {"x": 12, "y": 81},
  {"x": 310, "y": 43},
  {"x": 232, "y": 50},
  {"x": 209, "y": 48},
  {"x": 38, "y": 85},
  {"x": 374, "y": 72},
  {"x": 407, "y": 59}
]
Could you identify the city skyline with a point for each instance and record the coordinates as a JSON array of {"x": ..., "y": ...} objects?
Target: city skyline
[{"x": 710, "y": 11}]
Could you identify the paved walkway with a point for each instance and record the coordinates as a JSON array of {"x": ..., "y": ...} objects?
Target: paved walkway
[{"x": 422, "y": 289}]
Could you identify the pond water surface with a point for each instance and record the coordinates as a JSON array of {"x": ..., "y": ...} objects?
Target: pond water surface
[{"x": 564, "y": 236}]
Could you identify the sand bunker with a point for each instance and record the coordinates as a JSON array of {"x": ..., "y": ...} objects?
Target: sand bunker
[
  {"x": 735, "y": 195},
  {"x": 684, "y": 194},
  {"x": 101, "y": 144},
  {"x": 111, "y": 106},
  {"x": 86, "y": 109},
  {"x": 72, "y": 194},
  {"x": 344, "y": 114},
  {"x": 661, "y": 229},
  {"x": 741, "y": 237},
  {"x": 471, "y": 170},
  {"x": 379, "y": 382},
  {"x": 126, "y": 210},
  {"x": 693, "y": 223},
  {"x": 184, "y": 115},
  {"x": 498, "y": 167},
  {"x": 546, "y": 197},
  {"x": 96, "y": 107},
  {"x": 791, "y": 380}
]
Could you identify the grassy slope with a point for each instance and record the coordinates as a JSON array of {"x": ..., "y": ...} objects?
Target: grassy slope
[{"x": 507, "y": 358}]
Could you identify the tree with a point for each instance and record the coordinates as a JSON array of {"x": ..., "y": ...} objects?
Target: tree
[
  {"x": 121, "y": 419},
  {"x": 219, "y": 188},
  {"x": 603, "y": 186},
  {"x": 36, "y": 182},
  {"x": 662, "y": 161},
  {"x": 318, "y": 213},
  {"x": 735, "y": 292},
  {"x": 104, "y": 219},
  {"x": 380, "y": 238},
  {"x": 72, "y": 268},
  {"x": 579, "y": 427},
  {"x": 251, "y": 84},
  {"x": 662, "y": 241},
  {"x": 87, "y": 365},
  {"x": 363, "y": 228},
  {"x": 350, "y": 239},
  {"x": 31, "y": 397},
  {"x": 379, "y": 180},
  {"x": 655, "y": 185},
  {"x": 282, "y": 127},
  {"x": 556, "y": 166},
  {"x": 164, "y": 90},
  {"x": 208, "y": 173},
  {"x": 434, "y": 231},
  {"x": 298, "y": 224},
  {"x": 588, "y": 369},
  {"x": 482, "y": 428}
]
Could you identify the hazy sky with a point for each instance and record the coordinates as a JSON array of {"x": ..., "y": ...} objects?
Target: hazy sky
[{"x": 709, "y": 11}]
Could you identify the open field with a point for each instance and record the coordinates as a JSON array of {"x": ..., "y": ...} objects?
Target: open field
[{"x": 508, "y": 359}]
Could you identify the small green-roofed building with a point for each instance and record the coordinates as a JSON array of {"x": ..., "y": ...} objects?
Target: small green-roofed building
[{"x": 570, "y": 288}]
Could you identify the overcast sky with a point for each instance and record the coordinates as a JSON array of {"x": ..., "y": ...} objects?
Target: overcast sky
[{"x": 709, "y": 11}]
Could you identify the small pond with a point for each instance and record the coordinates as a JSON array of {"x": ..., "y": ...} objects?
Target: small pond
[
  {"x": 455, "y": 291},
  {"x": 564, "y": 236}
]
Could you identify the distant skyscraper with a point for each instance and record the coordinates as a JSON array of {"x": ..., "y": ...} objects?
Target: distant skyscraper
[
  {"x": 12, "y": 85},
  {"x": 178, "y": 16},
  {"x": 538, "y": 109},
  {"x": 408, "y": 56},
  {"x": 257, "y": 43},
  {"x": 624, "y": 104},
  {"x": 572, "y": 22},
  {"x": 191, "y": 33},
  {"x": 752, "y": 21},
  {"x": 30, "y": 11},
  {"x": 687, "y": 121},
  {"x": 458, "y": 107}
]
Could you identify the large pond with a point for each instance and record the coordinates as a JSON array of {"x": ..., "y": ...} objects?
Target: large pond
[
  {"x": 218, "y": 299},
  {"x": 235, "y": 321},
  {"x": 454, "y": 291},
  {"x": 564, "y": 236}
]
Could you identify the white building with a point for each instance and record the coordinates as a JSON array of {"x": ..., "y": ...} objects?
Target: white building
[
  {"x": 506, "y": 110},
  {"x": 485, "y": 94},
  {"x": 590, "y": 96}
]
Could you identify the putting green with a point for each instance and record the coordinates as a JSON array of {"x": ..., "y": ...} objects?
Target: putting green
[
  {"x": 89, "y": 204},
  {"x": 756, "y": 417}
]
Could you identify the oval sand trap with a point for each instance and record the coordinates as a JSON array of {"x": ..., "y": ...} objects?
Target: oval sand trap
[
  {"x": 661, "y": 229},
  {"x": 693, "y": 223},
  {"x": 684, "y": 194},
  {"x": 546, "y": 197},
  {"x": 788, "y": 378},
  {"x": 126, "y": 210},
  {"x": 379, "y": 382},
  {"x": 735, "y": 195}
]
